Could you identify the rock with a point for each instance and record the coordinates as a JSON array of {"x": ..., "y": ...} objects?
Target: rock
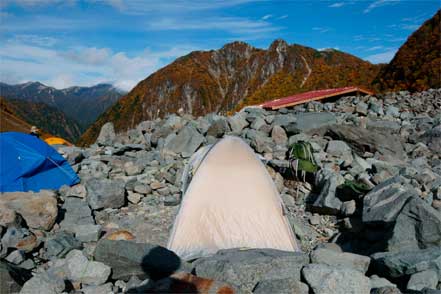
[
  {"x": 132, "y": 169},
  {"x": 348, "y": 207},
  {"x": 310, "y": 121},
  {"x": 361, "y": 140},
  {"x": 105, "y": 193},
  {"x": 386, "y": 290},
  {"x": 12, "y": 277},
  {"x": 15, "y": 257},
  {"x": 378, "y": 125},
  {"x": 432, "y": 138},
  {"x": 342, "y": 259},
  {"x": 377, "y": 282},
  {"x": 172, "y": 200},
  {"x": 11, "y": 238},
  {"x": 127, "y": 258},
  {"x": 401, "y": 263},
  {"x": 43, "y": 283},
  {"x": 237, "y": 123},
  {"x": 279, "y": 136},
  {"x": 133, "y": 197},
  {"x": 425, "y": 279},
  {"x": 218, "y": 128},
  {"x": 286, "y": 286},
  {"x": 326, "y": 279},
  {"x": 103, "y": 289},
  {"x": 283, "y": 120},
  {"x": 361, "y": 108},
  {"x": 392, "y": 111},
  {"x": 28, "y": 243},
  {"x": 383, "y": 203},
  {"x": 75, "y": 212},
  {"x": 327, "y": 202},
  {"x": 338, "y": 148},
  {"x": 107, "y": 135},
  {"x": 120, "y": 235},
  {"x": 245, "y": 268},
  {"x": 185, "y": 143},
  {"x": 78, "y": 190},
  {"x": 142, "y": 189},
  {"x": 61, "y": 244},
  {"x": 7, "y": 216},
  {"x": 87, "y": 233},
  {"x": 38, "y": 209},
  {"x": 418, "y": 225},
  {"x": 80, "y": 269}
]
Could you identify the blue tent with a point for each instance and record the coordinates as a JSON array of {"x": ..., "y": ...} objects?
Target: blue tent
[{"x": 29, "y": 164}]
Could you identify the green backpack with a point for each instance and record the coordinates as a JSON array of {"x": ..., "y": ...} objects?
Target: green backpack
[{"x": 301, "y": 158}]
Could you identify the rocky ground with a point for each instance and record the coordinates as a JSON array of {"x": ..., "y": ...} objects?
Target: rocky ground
[{"x": 107, "y": 234}]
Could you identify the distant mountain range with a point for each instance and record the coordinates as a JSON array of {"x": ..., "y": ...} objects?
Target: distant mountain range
[
  {"x": 65, "y": 113},
  {"x": 417, "y": 64},
  {"x": 20, "y": 115}
]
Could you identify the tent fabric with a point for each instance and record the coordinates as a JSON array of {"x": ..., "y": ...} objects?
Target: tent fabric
[
  {"x": 57, "y": 141},
  {"x": 231, "y": 202},
  {"x": 29, "y": 164}
]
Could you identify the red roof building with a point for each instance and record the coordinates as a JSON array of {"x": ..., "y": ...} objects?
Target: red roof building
[{"x": 313, "y": 96}]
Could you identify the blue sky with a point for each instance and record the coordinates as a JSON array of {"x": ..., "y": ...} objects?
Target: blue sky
[{"x": 65, "y": 42}]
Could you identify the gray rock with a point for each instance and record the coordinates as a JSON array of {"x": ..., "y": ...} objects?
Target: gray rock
[
  {"x": 43, "y": 283},
  {"x": 361, "y": 140},
  {"x": 172, "y": 200},
  {"x": 425, "y": 279},
  {"x": 311, "y": 120},
  {"x": 285, "y": 286},
  {"x": 61, "y": 244},
  {"x": 132, "y": 169},
  {"x": 105, "y": 193},
  {"x": 107, "y": 135},
  {"x": 432, "y": 138},
  {"x": 218, "y": 128},
  {"x": 375, "y": 125},
  {"x": 342, "y": 259},
  {"x": 401, "y": 263},
  {"x": 283, "y": 120},
  {"x": 392, "y": 111},
  {"x": 361, "y": 108},
  {"x": 383, "y": 203},
  {"x": 15, "y": 257},
  {"x": 76, "y": 212},
  {"x": 279, "y": 136},
  {"x": 87, "y": 233},
  {"x": 327, "y": 202},
  {"x": 338, "y": 148},
  {"x": 348, "y": 207},
  {"x": 418, "y": 225},
  {"x": 103, "y": 289},
  {"x": 325, "y": 279},
  {"x": 185, "y": 143},
  {"x": 127, "y": 258},
  {"x": 377, "y": 282},
  {"x": 245, "y": 268},
  {"x": 12, "y": 277},
  {"x": 142, "y": 189},
  {"x": 78, "y": 190},
  {"x": 80, "y": 269},
  {"x": 386, "y": 290},
  {"x": 134, "y": 197},
  {"x": 237, "y": 123}
]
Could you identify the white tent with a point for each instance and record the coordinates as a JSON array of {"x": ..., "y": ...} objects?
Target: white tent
[{"x": 231, "y": 202}]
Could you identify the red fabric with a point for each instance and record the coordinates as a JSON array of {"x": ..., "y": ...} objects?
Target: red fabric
[{"x": 307, "y": 96}]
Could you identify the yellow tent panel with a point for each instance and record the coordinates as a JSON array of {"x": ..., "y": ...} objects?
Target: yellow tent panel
[{"x": 57, "y": 141}]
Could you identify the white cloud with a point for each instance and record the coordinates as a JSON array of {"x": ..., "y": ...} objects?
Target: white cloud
[
  {"x": 283, "y": 16},
  {"x": 321, "y": 30},
  {"x": 36, "y": 40},
  {"x": 230, "y": 24},
  {"x": 384, "y": 57},
  {"x": 337, "y": 4},
  {"x": 379, "y": 3},
  {"x": 83, "y": 66},
  {"x": 374, "y": 48},
  {"x": 265, "y": 17}
]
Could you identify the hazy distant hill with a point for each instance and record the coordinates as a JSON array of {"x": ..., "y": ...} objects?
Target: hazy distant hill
[
  {"x": 83, "y": 104},
  {"x": 20, "y": 115},
  {"x": 417, "y": 64},
  {"x": 237, "y": 74}
]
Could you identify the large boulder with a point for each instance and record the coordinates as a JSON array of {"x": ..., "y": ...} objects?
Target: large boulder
[
  {"x": 38, "y": 209},
  {"x": 237, "y": 122},
  {"x": 127, "y": 258},
  {"x": 75, "y": 212},
  {"x": 286, "y": 286},
  {"x": 107, "y": 135},
  {"x": 245, "y": 268},
  {"x": 309, "y": 121},
  {"x": 404, "y": 263},
  {"x": 325, "y": 279},
  {"x": 389, "y": 146},
  {"x": 343, "y": 259},
  {"x": 218, "y": 128},
  {"x": 80, "y": 269},
  {"x": 105, "y": 193},
  {"x": 185, "y": 143},
  {"x": 43, "y": 283}
]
